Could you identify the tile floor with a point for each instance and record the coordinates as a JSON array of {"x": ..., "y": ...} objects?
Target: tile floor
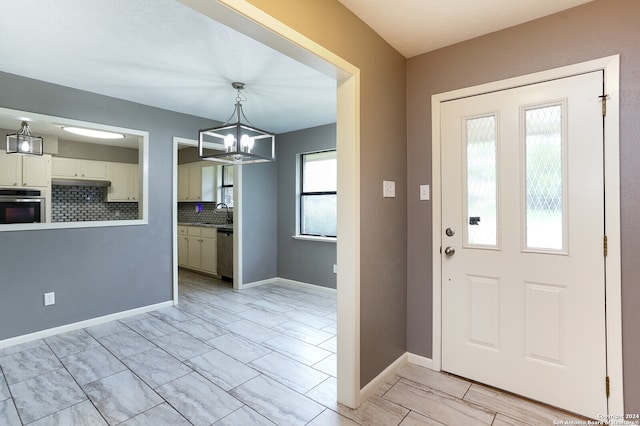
[{"x": 262, "y": 356}]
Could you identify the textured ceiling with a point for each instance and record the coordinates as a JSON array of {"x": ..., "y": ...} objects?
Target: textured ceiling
[
  {"x": 414, "y": 27},
  {"x": 163, "y": 54}
]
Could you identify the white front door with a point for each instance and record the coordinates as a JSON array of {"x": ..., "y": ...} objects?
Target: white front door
[{"x": 523, "y": 279}]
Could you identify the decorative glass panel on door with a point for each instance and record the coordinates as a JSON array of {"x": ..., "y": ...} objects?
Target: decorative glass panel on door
[
  {"x": 481, "y": 187},
  {"x": 544, "y": 171}
]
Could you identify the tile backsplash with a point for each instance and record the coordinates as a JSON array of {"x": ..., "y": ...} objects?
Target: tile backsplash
[
  {"x": 84, "y": 203},
  {"x": 188, "y": 212}
]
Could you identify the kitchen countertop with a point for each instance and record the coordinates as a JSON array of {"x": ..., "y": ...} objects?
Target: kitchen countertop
[{"x": 206, "y": 225}]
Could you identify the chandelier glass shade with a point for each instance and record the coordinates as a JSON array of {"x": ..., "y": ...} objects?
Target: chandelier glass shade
[
  {"x": 23, "y": 142},
  {"x": 236, "y": 141}
]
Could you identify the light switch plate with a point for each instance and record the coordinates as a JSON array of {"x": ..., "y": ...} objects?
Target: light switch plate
[
  {"x": 424, "y": 192},
  {"x": 388, "y": 189}
]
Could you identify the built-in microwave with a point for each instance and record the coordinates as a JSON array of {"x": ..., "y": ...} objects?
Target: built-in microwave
[{"x": 21, "y": 206}]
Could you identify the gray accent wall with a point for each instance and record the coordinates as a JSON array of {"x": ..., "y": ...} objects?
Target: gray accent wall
[
  {"x": 299, "y": 260},
  {"x": 269, "y": 216},
  {"x": 259, "y": 222},
  {"x": 597, "y": 29},
  {"x": 93, "y": 271}
]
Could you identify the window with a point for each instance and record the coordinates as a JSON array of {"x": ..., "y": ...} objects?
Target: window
[
  {"x": 318, "y": 199},
  {"x": 226, "y": 188}
]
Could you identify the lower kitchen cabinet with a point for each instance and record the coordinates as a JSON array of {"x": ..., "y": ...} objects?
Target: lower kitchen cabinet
[{"x": 197, "y": 248}]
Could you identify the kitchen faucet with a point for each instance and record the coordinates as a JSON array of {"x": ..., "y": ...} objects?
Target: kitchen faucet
[{"x": 229, "y": 216}]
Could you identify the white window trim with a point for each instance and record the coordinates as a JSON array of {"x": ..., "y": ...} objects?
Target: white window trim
[{"x": 315, "y": 238}]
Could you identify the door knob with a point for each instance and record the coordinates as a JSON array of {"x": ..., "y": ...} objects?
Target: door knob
[{"x": 449, "y": 251}]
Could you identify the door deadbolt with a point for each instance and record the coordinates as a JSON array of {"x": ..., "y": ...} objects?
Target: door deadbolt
[
  {"x": 449, "y": 251},
  {"x": 450, "y": 232}
]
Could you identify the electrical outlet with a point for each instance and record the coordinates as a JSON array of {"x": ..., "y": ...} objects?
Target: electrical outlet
[
  {"x": 388, "y": 189},
  {"x": 335, "y": 268},
  {"x": 49, "y": 299},
  {"x": 424, "y": 192}
]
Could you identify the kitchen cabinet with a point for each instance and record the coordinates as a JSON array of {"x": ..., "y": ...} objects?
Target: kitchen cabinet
[
  {"x": 197, "y": 248},
  {"x": 183, "y": 246},
  {"x": 124, "y": 179},
  {"x": 72, "y": 168},
  {"x": 196, "y": 182},
  {"x": 190, "y": 182},
  {"x": 25, "y": 170}
]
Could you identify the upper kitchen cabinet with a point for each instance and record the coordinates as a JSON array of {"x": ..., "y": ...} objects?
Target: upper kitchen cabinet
[
  {"x": 72, "y": 168},
  {"x": 196, "y": 182},
  {"x": 124, "y": 179},
  {"x": 17, "y": 170}
]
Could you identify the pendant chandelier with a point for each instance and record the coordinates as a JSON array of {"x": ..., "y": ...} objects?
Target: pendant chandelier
[
  {"x": 235, "y": 142},
  {"x": 23, "y": 142}
]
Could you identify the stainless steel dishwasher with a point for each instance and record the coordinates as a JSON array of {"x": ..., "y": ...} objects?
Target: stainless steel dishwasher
[{"x": 225, "y": 252}]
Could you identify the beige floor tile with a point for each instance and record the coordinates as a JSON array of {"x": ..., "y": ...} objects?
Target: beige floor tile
[
  {"x": 443, "y": 382},
  {"x": 415, "y": 419},
  {"x": 438, "y": 405},
  {"x": 386, "y": 386},
  {"x": 517, "y": 408},
  {"x": 502, "y": 420},
  {"x": 375, "y": 411}
]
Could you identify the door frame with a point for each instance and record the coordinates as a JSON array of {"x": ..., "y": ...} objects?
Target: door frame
[
  {"x": 254, "y": 22},
  {"x": 611, "y": 67}
]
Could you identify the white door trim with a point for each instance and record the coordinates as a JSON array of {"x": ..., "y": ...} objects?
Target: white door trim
[{"x": 611, "y": 67}]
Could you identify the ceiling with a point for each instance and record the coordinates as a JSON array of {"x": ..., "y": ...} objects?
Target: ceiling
[
  {"x": 414, "y": 27},
  {"x": 164, "y": 54}
]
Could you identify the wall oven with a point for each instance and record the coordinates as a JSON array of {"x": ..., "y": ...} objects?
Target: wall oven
[{"x": 21, "y": 206}]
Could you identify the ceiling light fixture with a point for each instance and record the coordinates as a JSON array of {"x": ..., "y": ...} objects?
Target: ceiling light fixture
[
  {"x": 23, "y": 142},
  {"x": 92, "y": 133},
  {"x": 235, "y": 142}
]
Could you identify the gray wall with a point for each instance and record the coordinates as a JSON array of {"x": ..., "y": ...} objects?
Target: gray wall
[
  {"x": 188, "y": 155},
  {"x": 94, "y": 151},
  {"x": 597, "y": 29},
  {"x": 259, "y": 221},
  {"x": 94, "y": 271},
  {"x": 306, "y": 261}
]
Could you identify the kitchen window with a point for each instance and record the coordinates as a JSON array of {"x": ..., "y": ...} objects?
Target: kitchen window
[
  {"x": 226, "y": 187},
  {"x": 318, "y": 199}
]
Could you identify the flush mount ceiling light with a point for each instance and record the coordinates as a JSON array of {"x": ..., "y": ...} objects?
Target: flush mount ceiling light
[
  {"x": 23, "y": 142},
  {"x": 100, "y": 134},
  {"x": 235, "y": 142}
]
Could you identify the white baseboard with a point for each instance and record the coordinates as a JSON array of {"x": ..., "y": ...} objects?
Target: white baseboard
[
  {"x": 381, "y": 378},
  {"x": 420, "y": 360},
  {"x": 307, "y": 285},
  {"x": 301, "y": 284},
  {"x": 258, "y": 283},
  {"x": 81, "y": 324},
  {"x": 391, "y": 370}
]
